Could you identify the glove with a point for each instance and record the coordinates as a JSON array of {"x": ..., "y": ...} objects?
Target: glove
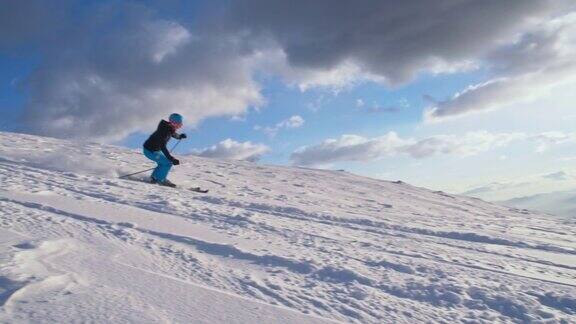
[
  {"x": 183, "y": 136},
  {"x": 175, "y": 162}
]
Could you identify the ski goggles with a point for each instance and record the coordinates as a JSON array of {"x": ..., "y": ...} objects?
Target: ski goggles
[{"x": 175, "y": 124}]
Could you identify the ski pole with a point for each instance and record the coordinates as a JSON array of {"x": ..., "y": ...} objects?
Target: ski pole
[
  {"x": 131, "y": 174},
  {"x": 135, "y": 173},
  {"x": 174, "y": 147}
]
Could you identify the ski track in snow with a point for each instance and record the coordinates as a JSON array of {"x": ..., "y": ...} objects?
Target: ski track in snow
[{"x": 268, "y": 243}]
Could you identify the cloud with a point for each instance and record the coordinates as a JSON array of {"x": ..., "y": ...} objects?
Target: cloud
[
  {"x": 358, "y": 148},
  {"x": 317, "y": 104},
  {"x": 528, "y": 186},
  {"x": 232, "y": 150},
  {"x": 27, "y": 22},
  {"x": 545, "y": 140},
  {"x": 378, "y": 109},
  {"x": 495, "y": 187},
  {"x": 111, "y": 68},
  {"x": 470, "y": 144},
  {"x": 295, "y": 121},
  {"x": 122, "y": 68},
  {"x": 557, "y": 176},
  {"x": 292, "y": 122},
  {"x": 540, "y": 59},
  {"x": 348, "y": 148},
  {"x": 391, "y": 41}
]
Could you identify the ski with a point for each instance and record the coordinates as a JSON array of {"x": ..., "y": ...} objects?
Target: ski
[
  {"x": 198, "y": 189},
  {"x": 194, "y": 189}
]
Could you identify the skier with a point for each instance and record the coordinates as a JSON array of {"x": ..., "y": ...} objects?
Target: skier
[{"x": 155, "y": 149}]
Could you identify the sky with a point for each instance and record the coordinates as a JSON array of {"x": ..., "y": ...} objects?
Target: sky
[{"x": 465, "y": 96}]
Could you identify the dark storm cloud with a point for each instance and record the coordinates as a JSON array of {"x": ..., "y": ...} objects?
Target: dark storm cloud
[
  {"x": 29, "y": 22},
  {"x": 110, "y": 68},
  {"x": 119, "y": 68},
  {"x": 525, "y": 45},
  {"x": 393, "y": 39}
]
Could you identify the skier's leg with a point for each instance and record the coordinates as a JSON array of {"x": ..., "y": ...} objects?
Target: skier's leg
[
  {"x": 155, "y": 173},
  {"x": 159, "y": 174},
  {"x": 164, "y": 166}
]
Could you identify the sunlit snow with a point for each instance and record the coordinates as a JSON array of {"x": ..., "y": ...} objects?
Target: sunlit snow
[{"x": 266, "y": 244}]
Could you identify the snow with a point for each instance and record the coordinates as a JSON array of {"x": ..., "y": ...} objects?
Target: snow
[{"x": 266, "y": 244}]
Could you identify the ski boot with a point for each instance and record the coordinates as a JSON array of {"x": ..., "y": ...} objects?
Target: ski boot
[{"x": 167, "y": 183}]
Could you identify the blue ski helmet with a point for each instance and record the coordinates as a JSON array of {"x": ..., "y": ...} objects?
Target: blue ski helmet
[{"x": 176, "y": 118}]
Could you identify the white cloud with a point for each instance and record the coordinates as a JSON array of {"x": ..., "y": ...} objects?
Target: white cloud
[
  {"x": 292, "y": 122},
  {"x": 232, "y": 150},
  {"x": 348, "y": 148},
  {"x": 376, "y": 108},
  {"x": 317, "y": 103},
  {"x": 107, "y": 86},
  {"x": 358, "y": 148},
  {"x": 558, "y": 176},
  {"x": 527, "y": 185},
  {"x": 170, "y": 37},
  {"x": 340, "y": 77},
  {"x": 470, "y": 144},
  {"x": 548, "y": 139},
  {"x": 495, "y": 187},
  {"x": 295, "y": 121},
  {"x": 524, "y": 71}
]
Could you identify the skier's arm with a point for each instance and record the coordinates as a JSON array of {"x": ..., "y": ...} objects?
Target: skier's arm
[
  {"x": 179, "y": 136},
  {"x": 167, "y": 153},
  {"x": 164, "y": 148}
]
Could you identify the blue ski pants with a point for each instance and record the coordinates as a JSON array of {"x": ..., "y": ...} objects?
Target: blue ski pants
[{"x": 164, "y": 165}]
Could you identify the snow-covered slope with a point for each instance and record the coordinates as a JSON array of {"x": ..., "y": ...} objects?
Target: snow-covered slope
[{"x": 267, "y": 244}]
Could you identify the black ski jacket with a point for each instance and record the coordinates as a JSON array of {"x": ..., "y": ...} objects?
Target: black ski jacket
[{"x": 158, "y": 140}]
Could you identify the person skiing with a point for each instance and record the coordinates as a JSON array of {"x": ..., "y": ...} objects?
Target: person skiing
[{"x": 155, "y": 149}]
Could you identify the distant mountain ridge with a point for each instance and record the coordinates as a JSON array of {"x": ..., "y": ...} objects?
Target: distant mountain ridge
[{"x": 559, "y": 203}]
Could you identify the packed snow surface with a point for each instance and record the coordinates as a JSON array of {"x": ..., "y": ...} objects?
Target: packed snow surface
[{"x": 266, "y": 244}]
